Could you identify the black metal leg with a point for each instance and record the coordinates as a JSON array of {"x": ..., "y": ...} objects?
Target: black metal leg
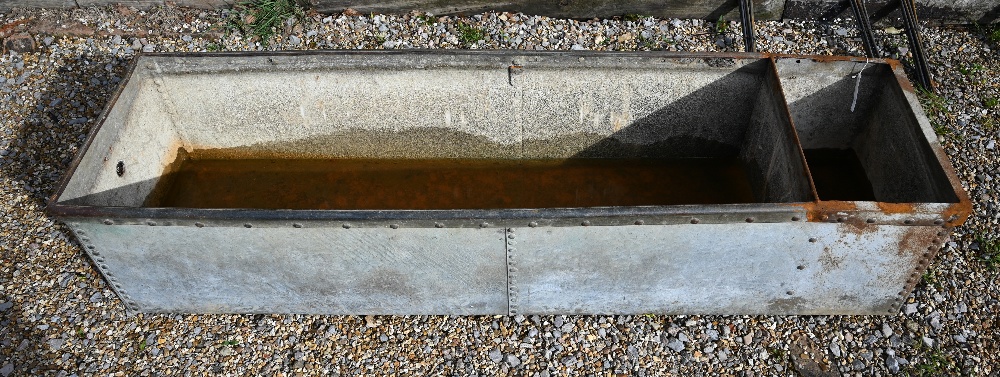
[
  {"x": 746, "y": 17},
  {"x": 909, "y": 9},
  {"x": 865, "y": 26}
]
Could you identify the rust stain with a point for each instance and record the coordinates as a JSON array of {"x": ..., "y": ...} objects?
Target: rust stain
[
  {"x": 195, "y": 180},
  {"x": 895, "y": 208},
  {"x": 832, "y": 211},
  {"x": 6, "y": 30},
  {"x": 829, "y": 260},
  {"x": 957, "y": 213},
  {"x": 904, "y": 84},
  {"x": 916, "y": 240},
  {"x": 815, "y": 211}
]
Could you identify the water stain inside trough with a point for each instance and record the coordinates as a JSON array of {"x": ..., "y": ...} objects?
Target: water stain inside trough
[
  {"x": 839, "y": 175},
  {"x": 423, "y": 184}
]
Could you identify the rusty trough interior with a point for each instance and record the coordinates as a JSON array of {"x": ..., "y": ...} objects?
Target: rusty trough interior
[{"x": 381, "y": 132}]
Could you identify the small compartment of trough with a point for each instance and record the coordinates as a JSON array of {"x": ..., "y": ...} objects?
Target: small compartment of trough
[
  {"x": 861, "y": 139},
  {"x": 443, "y": 132}
]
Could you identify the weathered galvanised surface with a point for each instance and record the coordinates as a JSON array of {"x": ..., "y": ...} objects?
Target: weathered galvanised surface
[{"x": 789, "y": 251}]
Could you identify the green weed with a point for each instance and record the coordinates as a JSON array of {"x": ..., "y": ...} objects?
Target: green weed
[
  {"x": 989, "y": 123},
  {"x": 633, "y": 17},
  {"x": 990, "y": 102},
  {"x": 935, "y": 364},
  {"x": 993, "y": 33},
  {"x": 426, "y": 20},
  {"x": 933, "y": 102},
  {"x": 989, "y": 248},
  {"x": 971, "y": 70},
  {"x": 469, "y": 34},
  {"x": 262, "y": 18},
  {"x": 940, "y": 129},
  {"x": 776, "y": 353},
  {"x": 930, "y": 278},
  {"x": 643, "y": 42},
  {"x": 721, "y": 26}
]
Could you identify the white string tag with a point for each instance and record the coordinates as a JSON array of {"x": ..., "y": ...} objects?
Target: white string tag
[{"x": 857, "y": 85}]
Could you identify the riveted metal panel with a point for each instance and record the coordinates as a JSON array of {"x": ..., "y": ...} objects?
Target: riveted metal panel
[
  {"x": 301, "y": 270},
  {"x": 790, "y": 268}
]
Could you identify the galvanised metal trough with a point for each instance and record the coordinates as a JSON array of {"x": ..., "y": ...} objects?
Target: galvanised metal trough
[{"x": 511, "y": 182}]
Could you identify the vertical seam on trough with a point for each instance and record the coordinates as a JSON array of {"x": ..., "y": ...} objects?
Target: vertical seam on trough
[
  {"x": 509, "y": 259},
  {"x": 131, "y": 307},
  {"x": 168, "y": 104}
]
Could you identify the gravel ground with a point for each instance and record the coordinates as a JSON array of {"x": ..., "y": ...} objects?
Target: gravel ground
[{"x": 57, "y": 317}]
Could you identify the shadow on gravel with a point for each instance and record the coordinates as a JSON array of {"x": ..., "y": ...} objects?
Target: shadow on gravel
[{"x": 67, "y": 100}]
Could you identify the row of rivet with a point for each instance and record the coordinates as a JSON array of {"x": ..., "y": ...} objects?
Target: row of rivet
[
  {"x": 95, "y": 255},
  {"x": 511, "y": 271},
  {"x": 922, "y": 264},
  {"x": 801, "y": 266},
  {"x": 533, "y": 224},
  {"x": 872, "y": 220}
]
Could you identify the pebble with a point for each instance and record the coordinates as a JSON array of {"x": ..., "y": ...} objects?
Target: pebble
[
  {"x": 892, "y": 363},
  {"x": 513, "y": 361},
  {"x": 496, "y": 355},
  {"x": 676, "y": 345},
  {"x": 56, "y": 343}
]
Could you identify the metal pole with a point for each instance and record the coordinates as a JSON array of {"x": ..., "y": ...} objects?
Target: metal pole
[
  {"x": 913, "y": 35},
  {"x": 746, "y": 17},
  {"x": 865, "y": 26}
]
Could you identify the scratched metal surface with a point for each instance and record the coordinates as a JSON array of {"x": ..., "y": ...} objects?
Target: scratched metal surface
[
  {"x": 714, "y": 268},
  {"x": 301, "y": 270}
]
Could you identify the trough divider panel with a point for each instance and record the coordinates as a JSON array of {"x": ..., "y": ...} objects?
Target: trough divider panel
[
  {"x": 771, "y": 149},
  {"x": 785, "y": 109}
]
